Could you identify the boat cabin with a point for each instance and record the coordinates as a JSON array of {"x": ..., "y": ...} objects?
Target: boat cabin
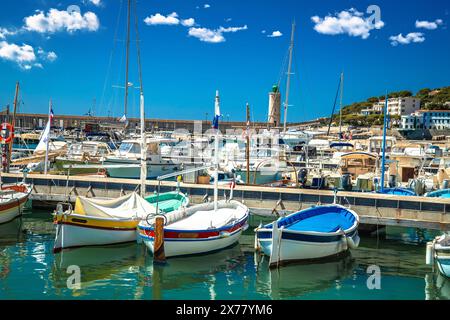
[{"x": 358, "y": 163}]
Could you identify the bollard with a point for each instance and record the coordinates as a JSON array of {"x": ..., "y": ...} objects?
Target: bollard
[{"x": 158, "y": 251}]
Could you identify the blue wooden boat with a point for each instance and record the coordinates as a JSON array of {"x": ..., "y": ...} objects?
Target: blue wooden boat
[
  {"x": 313, "y": 233},
  {"x": 444, "y": 193},
  {"x": 398, "y": 191}
]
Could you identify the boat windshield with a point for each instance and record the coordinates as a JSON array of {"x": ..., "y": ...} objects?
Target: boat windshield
[{"x": 128, "y": 147}]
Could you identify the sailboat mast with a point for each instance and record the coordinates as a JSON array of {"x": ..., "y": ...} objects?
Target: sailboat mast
[
  {"x": 48, "y": 136},
  {"x": 383, "y": 158},
  {"x": 247, "y": 145},
  {"x": 142, "y": 111},
  {"x": 340, "y": 106},
  {"x": 127, "y": 58},
  {"x": 13, "y": 123},
  {"x": 288, "y": 81},
  {"x": 216, "y": 155}
]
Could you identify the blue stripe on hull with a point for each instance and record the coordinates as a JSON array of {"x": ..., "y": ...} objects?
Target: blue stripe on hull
[{"x": 304, "y": 237}]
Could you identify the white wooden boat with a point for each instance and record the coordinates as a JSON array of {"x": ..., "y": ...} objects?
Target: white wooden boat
[
  {"x": 314, "y": 233},
  {"x": 12, "y": 200},
  {"x": 438, "y": 251},
  {"x": 199, "y": 229},
  {"x": 100, "y": 221}
]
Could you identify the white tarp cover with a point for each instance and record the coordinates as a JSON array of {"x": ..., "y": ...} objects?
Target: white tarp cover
[{"x": 126, "y": 207}]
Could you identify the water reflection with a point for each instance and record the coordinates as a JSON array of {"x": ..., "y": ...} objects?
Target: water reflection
[
  {"x": 297, "y": 280},
  {"x": 437, "y": 287}
]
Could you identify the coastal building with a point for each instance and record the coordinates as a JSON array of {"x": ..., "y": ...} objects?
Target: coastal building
[
  {"x": 396, "y": 106},
  {"x": 426, "y": 119}
]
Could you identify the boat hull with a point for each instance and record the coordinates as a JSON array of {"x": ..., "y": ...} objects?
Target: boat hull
[
  {"x": 444, "y": 265},
  {"x": 77, "y": 231},
  {"x": 154, "y": 170},
  {"x": 186, "y": 247},
  {"x": 13, "y": 208},
  {"x": 60, "y": 163},
  {"x": 291, "y": 249}
]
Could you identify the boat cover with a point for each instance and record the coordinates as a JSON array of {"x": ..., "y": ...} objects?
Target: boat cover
[
  {"x": 328, "y": 218},
  {"x": 126, "y": 207}
]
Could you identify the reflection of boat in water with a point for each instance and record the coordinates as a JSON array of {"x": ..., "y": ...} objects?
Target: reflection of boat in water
[
  {"x": 10, "y": 232},
  {"x": 96, "y": 263},
  {"x": 437, "y": 287},
  {"x": 202, "y": 270},
  {"x": 300, "y": 279},
  {"x": 438, "y": 251}
]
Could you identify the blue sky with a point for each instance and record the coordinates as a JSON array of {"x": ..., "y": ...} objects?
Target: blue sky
[{"x": 191, "y": 48}]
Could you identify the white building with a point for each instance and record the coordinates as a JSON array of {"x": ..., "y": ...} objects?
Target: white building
[
  {"x": 426, "y": 119},
  {"x": 398, "y": 106}
]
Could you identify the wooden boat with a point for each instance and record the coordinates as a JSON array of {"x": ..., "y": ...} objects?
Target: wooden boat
[
  {"x": 12, "y": 200},
  {"x": 444, "y": 193},
  {"x": 398, "y": 191},
  {"x": 83, "y": 153},
  {"x": 100, "y": 222},
  {"x": 314, "y": 233},
  {"x": 199, "y": 229},
  {"x": 169, "y": 201},
  {"x": 438, "y": 251}
]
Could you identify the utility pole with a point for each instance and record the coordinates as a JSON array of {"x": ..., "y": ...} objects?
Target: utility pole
[{"x": 288, "y": 81}]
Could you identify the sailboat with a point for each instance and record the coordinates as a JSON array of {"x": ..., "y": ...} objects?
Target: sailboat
[
  {"x": 395, "y": 190},
  {"x": 201, "y": 228},
  {"x": 110, "y": 221},
  {"x": 12, "y": 196}
]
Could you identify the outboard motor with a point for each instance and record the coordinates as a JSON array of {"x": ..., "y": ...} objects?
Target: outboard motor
[
  {"x": 346, "y": 182},
  {"x": 303, "y": 177},
  {"x": 445, "y": 184},
  {"x": 419, "y": 187},
  {"x": 392, "y": 181}
]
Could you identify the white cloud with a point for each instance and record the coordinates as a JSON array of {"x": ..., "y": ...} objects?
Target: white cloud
[
  {"x": 95, "y": 2},
  {"x": 228, "y": 19},
  {"x": 49, "y": 56},
  {"x": 263, "y": 31},
  {"x": 207, "y": 35},
  {"x": 23, "y": 55},
  {"x": 56, "y": 20},
  {"x": 274, "y": 34},
  {"x": 159, "y": 19},
  {"x": 206, "y": 6},
  {"x": 232, "y": 29},
  {"x": 213, "y": 36},
  {"x": 6, "y": 32},
  {"x": 428, "y": 25},
  {"x": 188, "y": 22},
  {"x": 413, "y": 37},
  {"x": 351, "y": 22}
]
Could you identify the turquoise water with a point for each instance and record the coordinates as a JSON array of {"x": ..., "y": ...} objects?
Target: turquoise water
[{"x": 29, "y": 270}]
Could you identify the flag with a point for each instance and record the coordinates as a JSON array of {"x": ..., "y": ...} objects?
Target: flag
[
  {"x": 46, "y": 133},
  {"x": 215, "y": 123},
  {"x": 123, "y": 119}
]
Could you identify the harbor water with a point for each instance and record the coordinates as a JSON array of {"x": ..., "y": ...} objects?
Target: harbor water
[{"x": 29, "y": 270}]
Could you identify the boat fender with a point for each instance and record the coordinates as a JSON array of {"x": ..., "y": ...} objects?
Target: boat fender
[
  {"x": 344, "y": 242},
  {"x": 353, "y": 243},
  {"x": 275, "y": 255},
  {"x": 429, "y": 257},
  {"x": 257, "y": 246}
]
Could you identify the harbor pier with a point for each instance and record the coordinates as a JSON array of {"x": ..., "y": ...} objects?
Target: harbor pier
[{"x": 372, "y": 208}]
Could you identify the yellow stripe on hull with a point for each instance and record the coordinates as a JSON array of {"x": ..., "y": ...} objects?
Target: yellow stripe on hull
[{"x": 90, "y": 222}]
